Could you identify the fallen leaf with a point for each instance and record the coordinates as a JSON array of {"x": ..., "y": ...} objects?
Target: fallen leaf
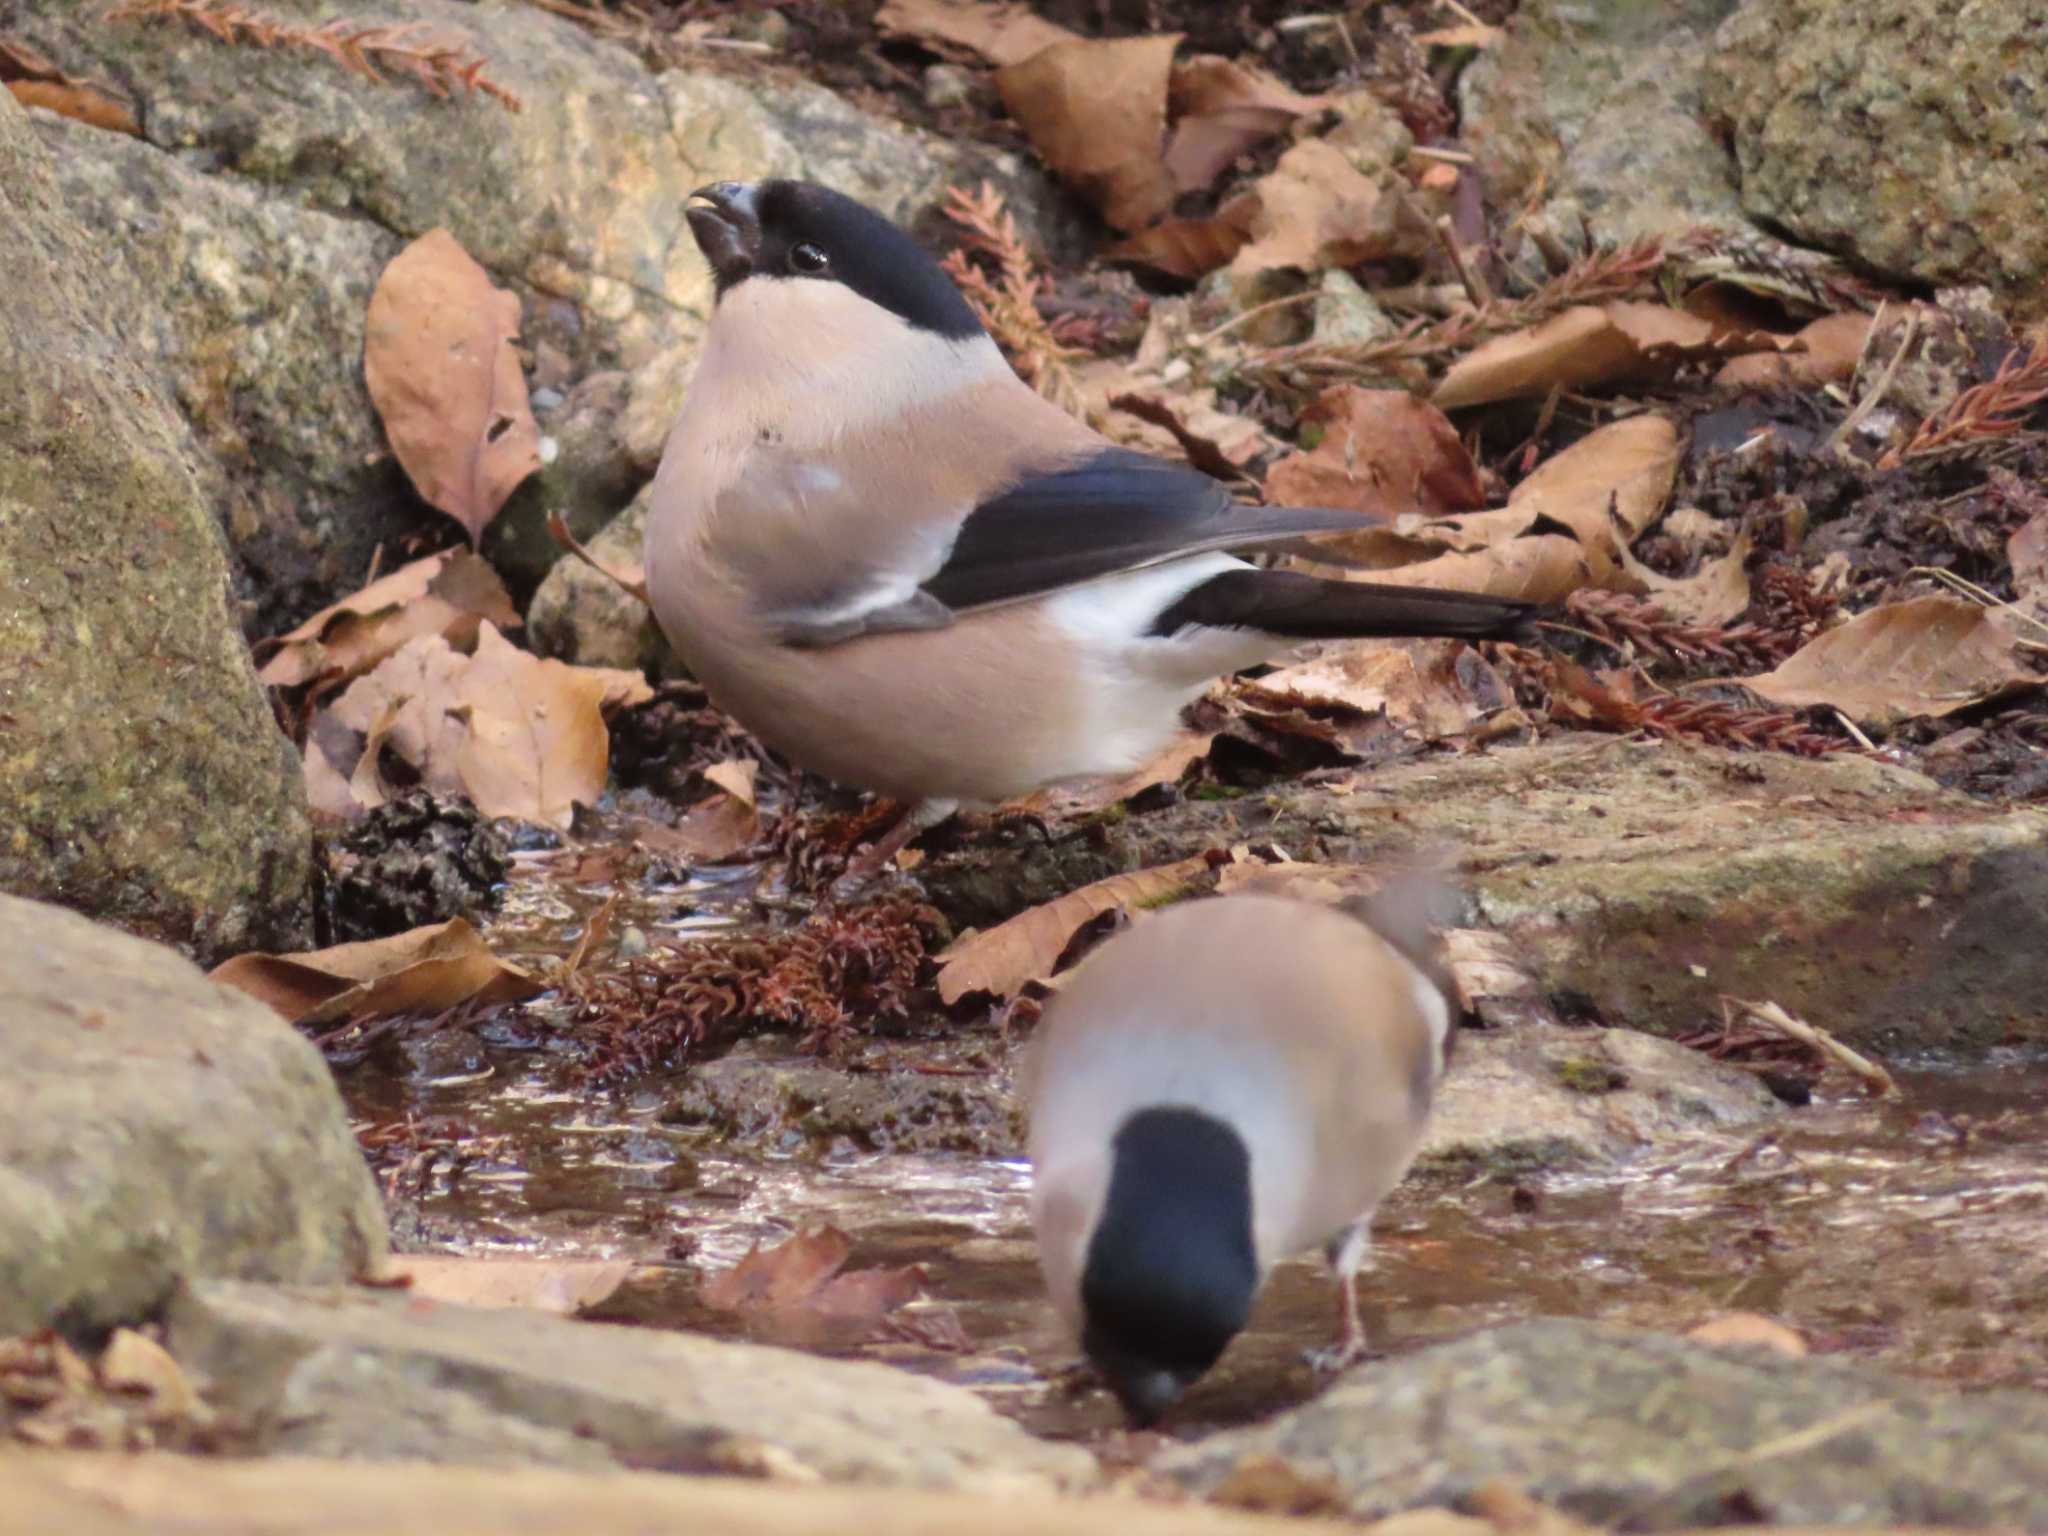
[
  {"x": 713, "y": 830},
  {"x": 1096, "y": 113},
  {"x": 1564, "y": 527},
  {"x": 1001, "y": 959},
  {"x": 428, "y": 970},
  {"x": 797, "y": 1287},
  {"x": 2027, "y": 549},
  {"x": 1715, "y": 594},
  {"x": 443, "y": 372},
  {"x": 1086, "y": 796},
  {"x": 1326, "y": 884},
  {"x": 1186, "y": 248},
  {"x": 446, "y": 594},
  {"x": 1437, "y": 689},
  {"x": 37, "y": 82},
  {"x": 1824, "y": 352},
  {"x": 134, "y": 1362},
  {"x": 1382, "y": 451},
  {"x": 1218, "y": 443},
  {"x": 520, "y": 735},
  {"x": 1002, "y": 33},
  {"x": 1929, "y": 656},
  {"x": 562, "y": 1286},
  {"x": 736, "y": 776},
  {"x": 1751, "y": 1330},
  {"x": 1316, "y": 210},
  {"x": 1221, "y": 108},
  {"x": 1615, "y": 343}
]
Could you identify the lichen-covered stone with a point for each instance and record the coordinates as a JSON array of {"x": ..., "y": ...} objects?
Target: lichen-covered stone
[
  {"x": 1647, "y": 1432},
  {"x": 156, "y": 1128},
  {"x": 1907, "y": 134},
  {"x": 142, "y": 776}
]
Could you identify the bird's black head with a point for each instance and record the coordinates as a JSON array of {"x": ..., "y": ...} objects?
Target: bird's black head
[
  {"x": 1171, "y": 1269},
  {"x": 802, "y": 231}
]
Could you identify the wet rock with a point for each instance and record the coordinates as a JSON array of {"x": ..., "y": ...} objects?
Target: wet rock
[
  {"x": 1653, "y": 877},
  {"x": 156, "y": 1128},
  {"x": 1936, "y": 105},
  {"x": 412, "y": 862},
  {"x": 1595, "y": 106},
  {"x": 274, "y": 185},
  {"x": 1543, "y": 1096},
  {"x": 85, "y": 1495},
  {"x": 791, "y": 1103},
  {"x": 1651, "y": 1432},
  {"x": 583, "y": 616},
  {"x": 142, "y": 776},
  {"x": 329, "y": 1372}
]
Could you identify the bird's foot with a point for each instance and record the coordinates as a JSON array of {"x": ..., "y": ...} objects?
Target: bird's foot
[{"x": 1340, "y": 1355}]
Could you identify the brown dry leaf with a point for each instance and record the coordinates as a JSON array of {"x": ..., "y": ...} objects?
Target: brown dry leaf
[
  {"x": 1216, "y": 442},
  {"x": 428, "y": 970},
  {"x": 2027, "y": 549},
  {"x": 1715, "y": 594},
  {"x": 443, "y": 372},
  {"x": 1930, "y": 656},
  {"x": 1750, "y": 1329},
  {"x": 714, "y": 829},
  {"x": 1186, "y": 248},
  {"x": 445, "y": 594},
  {"x": 1438, "y": 689},
  {"x": 1316, "y": 210},
  {"x": 736, "y": 776},
  {"x": 37, "y": 82},
  {"x": 1096, "y": 113},
  {"x": 1027, "y": 947},
  {"x": 1564, "y": 527},
  {"x": 536, "y": 742},
  {"x": 562, "y": 1286},
  {"x": 797, "y": 1285},
  {"x": 1587, "y": 345},
  {"x": 135, "y": 1363},
  {"x": 1328, "y": 884},
  {"x": 1001, "y": 32},
  {"x": 1382, "y": 451},
  {"x": 1824, "y": 352},
  {"x": 1220, "y": 109}
]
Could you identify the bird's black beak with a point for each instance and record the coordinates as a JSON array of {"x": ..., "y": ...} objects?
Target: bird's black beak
[{"x": 727, "y": 228}]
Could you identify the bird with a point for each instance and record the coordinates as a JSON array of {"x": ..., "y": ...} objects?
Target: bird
[
  {"x": 1219, "y": 1086},
  {"x": 897, "y": 564}
]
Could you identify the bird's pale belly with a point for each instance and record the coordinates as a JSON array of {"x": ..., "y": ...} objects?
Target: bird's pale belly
[{"x": 1004, "y": 715}]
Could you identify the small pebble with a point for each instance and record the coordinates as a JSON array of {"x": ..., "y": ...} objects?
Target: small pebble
[
  {"x": 632, "y": 942},
  {"x": 947, "y": 85}
]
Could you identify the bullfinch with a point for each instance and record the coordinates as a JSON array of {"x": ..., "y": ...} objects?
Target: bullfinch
[
  {"x": 1216, "y": 1088},
  {"x": 897, "y": 564}
]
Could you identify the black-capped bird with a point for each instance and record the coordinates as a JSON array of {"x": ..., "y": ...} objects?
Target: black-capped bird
[
  {"x": 897, "y": 564},
  {"x": 1217, "y": 1088}
]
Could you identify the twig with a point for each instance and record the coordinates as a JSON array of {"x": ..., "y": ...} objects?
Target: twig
[
  {"x": 559, "y": 532},
  {"x": 1774, "y": 1018}
]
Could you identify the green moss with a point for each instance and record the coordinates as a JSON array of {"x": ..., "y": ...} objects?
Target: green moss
[{"x": 1589, "y": 1074}]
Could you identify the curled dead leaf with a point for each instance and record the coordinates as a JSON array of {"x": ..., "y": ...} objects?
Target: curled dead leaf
[
  {"x": 442, "y": 370},
  {"x": 1438, "y": 689},
  {"x": 1381, "y": 451},
  {"x": 1824, "y": 352},
  {"x": 1316, "y": 210},
  {"x": 1186, "y": 248},
  {"x": 1096, "y": 113},
  {"x": 1218, "y": 443},
  {"x": 797, "y": 1289},
  {"x": 447, "y": 594},
  {"x": 1749, "y": 1330},
  {"x": 1220, "y": 109},
  {"x": 1929, "y": 656},
  {"x": 427, "y": 970},
  {"x": 37, "y": 82},
  {"x": 1612, "y": 343},
  {"x": 1001, "y": 959},
  {"x": 1000, "y": 31},
  {"x": 1715, "y": 594}
]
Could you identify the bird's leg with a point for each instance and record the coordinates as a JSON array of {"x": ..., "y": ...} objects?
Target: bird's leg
[
  {"x": 1346, "y": 1251},
  {"x": 879, "y": 855}
]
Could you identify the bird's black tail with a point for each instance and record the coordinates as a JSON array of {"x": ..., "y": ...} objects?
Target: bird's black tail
[{"x": 1320, "y": 608}]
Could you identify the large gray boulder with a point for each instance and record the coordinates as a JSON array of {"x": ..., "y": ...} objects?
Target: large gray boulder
[
  {"x": 156, "y": 1128},
  {"x": 142, "y": 776},
  {"x": 1644, "y": 1431},
  {"x": 383, "y": 1377},
  {"x": 1906, "y": 134}
]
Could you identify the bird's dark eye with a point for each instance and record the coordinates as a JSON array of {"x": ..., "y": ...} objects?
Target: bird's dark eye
[{"x": 808, "y": 259}]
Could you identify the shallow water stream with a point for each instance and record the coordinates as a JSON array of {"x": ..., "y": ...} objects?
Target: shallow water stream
[{"x": 1913, "y": 1235}]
